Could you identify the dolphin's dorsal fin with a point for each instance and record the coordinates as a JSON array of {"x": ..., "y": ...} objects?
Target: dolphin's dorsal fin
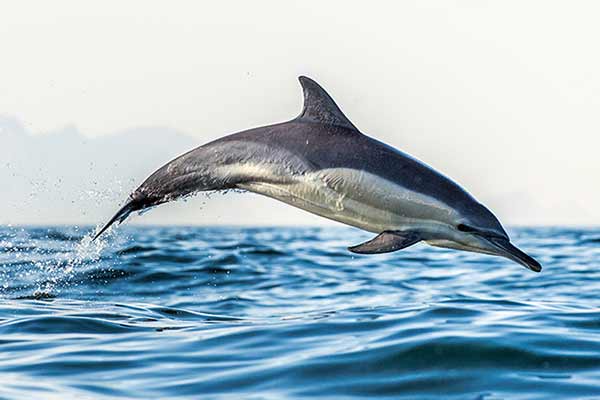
[{"x": 319, "y": 106}]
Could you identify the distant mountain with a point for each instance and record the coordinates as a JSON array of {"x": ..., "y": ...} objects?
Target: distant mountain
[{"x": 56, "y": 176}]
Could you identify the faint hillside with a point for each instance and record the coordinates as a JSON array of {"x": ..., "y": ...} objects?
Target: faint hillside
[{"x": 61, "y": 176}]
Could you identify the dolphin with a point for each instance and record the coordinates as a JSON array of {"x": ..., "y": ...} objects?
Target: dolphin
[{"x": 320, "y": 162}]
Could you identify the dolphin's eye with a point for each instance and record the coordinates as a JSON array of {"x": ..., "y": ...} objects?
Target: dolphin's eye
[{"x": 465, "y": 228}]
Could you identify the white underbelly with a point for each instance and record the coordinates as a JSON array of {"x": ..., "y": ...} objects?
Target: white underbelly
[{"x": 359, "y": 199}]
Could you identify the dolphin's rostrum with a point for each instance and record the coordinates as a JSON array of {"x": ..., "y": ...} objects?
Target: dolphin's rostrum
[{"x": 322, "y": 163}]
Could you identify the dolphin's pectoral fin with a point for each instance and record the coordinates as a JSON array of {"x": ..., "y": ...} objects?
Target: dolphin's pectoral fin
[{"x": 386, "y": 242}]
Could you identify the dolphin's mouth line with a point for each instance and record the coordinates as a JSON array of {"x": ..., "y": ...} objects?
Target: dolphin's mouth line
[{"x": 508, "y": 250}]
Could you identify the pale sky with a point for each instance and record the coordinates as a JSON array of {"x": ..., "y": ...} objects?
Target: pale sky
[{"x": 503, "y": 97}]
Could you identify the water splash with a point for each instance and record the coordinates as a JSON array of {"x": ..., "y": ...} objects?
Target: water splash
[{"x": 43, "y": 261}]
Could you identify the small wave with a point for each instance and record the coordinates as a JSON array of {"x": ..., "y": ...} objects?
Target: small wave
[
  {"x": 136, "y": 249},
  {"x": 63, "y": 324},
  {"x": 38, "y": 296},
  {"x": 590, "y": 240}
]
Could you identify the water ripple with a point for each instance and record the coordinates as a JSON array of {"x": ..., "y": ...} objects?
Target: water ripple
[{"x": 289, "y": 313}]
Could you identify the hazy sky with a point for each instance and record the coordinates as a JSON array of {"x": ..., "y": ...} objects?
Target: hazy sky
[{"x": 504, "y": 97}]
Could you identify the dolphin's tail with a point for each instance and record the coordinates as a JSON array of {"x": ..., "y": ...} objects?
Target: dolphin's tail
[{"x": 129, "y": 207}]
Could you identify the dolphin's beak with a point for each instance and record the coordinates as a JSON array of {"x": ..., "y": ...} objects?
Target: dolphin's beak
[
  {"x": 506, "y": 249},
  {"x": 120, "y": 216}
]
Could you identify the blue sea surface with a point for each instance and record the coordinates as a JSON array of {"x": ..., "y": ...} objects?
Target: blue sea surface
[{"x": 277, "y": 313}]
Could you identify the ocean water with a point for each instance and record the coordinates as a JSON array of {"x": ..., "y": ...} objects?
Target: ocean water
[{"x": 276, "y": 313}]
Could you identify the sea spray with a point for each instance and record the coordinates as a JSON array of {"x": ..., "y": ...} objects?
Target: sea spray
[{"x": 43, "y": 261}]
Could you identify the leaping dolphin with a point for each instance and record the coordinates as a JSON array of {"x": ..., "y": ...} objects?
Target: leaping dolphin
[{"x": 320, "y": 162}]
